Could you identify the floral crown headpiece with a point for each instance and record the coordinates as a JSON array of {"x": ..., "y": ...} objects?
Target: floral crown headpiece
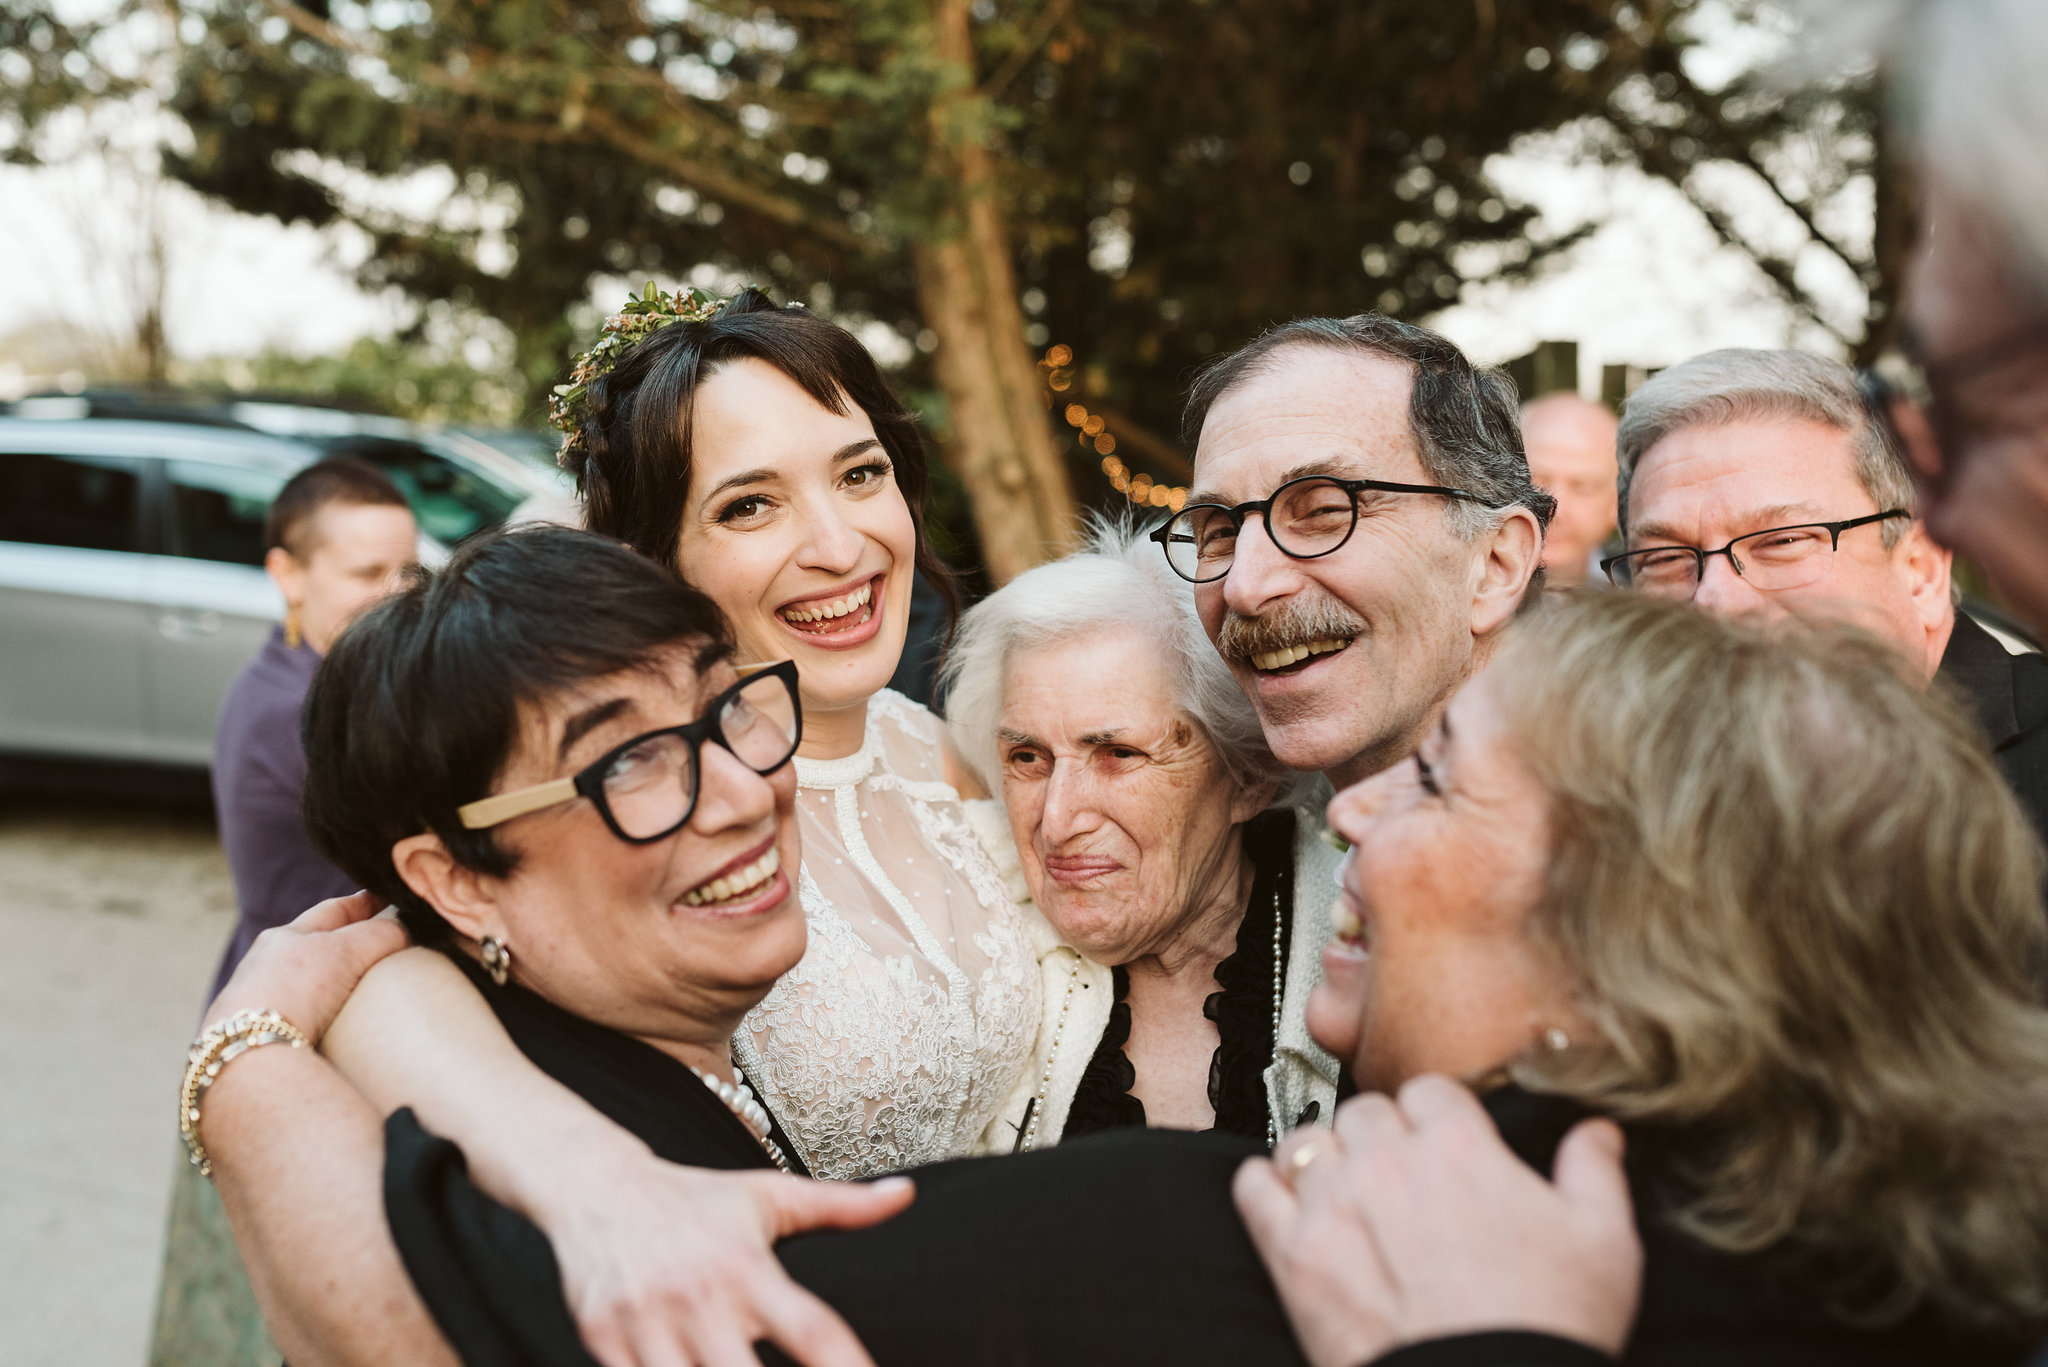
[{"x": 639, "y": 319}]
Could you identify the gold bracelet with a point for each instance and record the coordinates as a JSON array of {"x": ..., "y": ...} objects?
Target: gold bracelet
[{"x": 224, "y": 1040}]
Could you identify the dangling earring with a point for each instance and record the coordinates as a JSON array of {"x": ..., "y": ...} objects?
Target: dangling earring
[
  {"x": 292, "y": 638},
  {"x": 497, "y": 959}
]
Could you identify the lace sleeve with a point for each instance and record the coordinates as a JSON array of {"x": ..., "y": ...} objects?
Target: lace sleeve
[{"x": 912, "y": 1015}]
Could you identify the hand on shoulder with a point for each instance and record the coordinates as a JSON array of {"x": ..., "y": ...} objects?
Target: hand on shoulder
[
  {"x": 664, "y": 1264},
  {"x": 1412, "y": 1220},
  {"x": 306, "y": 970}
]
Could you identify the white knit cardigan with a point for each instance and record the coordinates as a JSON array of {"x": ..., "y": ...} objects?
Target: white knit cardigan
[{"x": 1079, "y": 993}]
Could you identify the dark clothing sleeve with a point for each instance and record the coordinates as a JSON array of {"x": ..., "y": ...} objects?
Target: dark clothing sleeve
[
  {"x": 1117, "y": 1248},
  {"x": 506, "y": 1310},
  {"x": 1496, "y": 1348},
  {"x": 2008, "y": 695},
  {"x": 1121, "y": 1249}
]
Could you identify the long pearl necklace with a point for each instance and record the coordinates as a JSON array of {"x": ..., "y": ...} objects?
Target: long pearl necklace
[
  {"x": 739, "y": 1099},
  {"x": 1028, "y": 1140},
  {"x": 1272, "y": 1133}
]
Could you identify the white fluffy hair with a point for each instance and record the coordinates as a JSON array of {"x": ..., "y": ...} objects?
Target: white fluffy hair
[
  {"x": 1120, "y": 583},
  {"x": 1974, "y": 94}
]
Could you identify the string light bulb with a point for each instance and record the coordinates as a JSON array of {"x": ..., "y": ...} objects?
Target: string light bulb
[{"x": 1093, "y": 430}]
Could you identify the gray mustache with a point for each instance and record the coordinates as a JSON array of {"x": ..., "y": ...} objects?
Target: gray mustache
[{"x": 1293, "y": 623}]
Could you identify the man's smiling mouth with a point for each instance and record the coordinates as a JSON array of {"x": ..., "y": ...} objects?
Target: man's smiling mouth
[{"x": 1291, "y": 659}]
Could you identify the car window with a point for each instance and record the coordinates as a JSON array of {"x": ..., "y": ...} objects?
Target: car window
[
  {"x": 450, "y": 500},
  {"x": 217, "y": 511},
  {"x": 68, "y": 501}
]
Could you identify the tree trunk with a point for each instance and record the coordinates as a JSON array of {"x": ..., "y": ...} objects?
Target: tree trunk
[{"x": 1002, "y": 442}]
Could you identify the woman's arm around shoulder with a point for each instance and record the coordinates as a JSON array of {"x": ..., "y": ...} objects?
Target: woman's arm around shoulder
[
  {"x": 651, "y": 1253},
  {"x": 298, "y": 1155}
]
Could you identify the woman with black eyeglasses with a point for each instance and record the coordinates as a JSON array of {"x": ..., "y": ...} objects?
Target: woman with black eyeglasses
[{"x": 545, "y": 757}]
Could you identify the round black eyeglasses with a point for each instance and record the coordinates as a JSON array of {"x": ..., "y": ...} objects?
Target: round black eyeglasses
[
  {"x": 1305, "y": 518},
  {"x": 646, "y": 788}
]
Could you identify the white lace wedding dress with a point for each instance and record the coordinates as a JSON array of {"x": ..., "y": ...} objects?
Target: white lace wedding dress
[{"x": 913, "y": 1012}]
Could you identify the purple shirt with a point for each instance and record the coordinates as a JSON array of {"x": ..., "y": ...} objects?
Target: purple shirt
[{"x": 259, "y": 768}]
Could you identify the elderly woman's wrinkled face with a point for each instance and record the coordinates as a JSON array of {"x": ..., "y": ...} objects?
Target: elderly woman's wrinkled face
[
  {"x": 1432, "y": 969},
  {"x": 1124, "y": 816},
  {"x": 657, "y": 939}
]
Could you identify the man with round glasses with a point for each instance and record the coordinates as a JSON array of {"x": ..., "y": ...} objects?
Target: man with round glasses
[
  {"x": 1360, "y": 525},
  {"x": 1759, "y": 482}
]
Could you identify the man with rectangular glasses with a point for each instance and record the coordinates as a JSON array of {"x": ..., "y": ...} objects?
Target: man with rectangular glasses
[{"x": 1760, "y": 482}]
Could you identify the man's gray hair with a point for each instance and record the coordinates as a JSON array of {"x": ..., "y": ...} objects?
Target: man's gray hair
[
  {"x": 1741, "y": 383},
  {"x": 1119, "y": 585},
  {"x": 1464, "y": 417}
]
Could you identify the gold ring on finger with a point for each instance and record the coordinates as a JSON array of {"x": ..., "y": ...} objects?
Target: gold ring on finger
[{"x": 1312, "y": 1148}]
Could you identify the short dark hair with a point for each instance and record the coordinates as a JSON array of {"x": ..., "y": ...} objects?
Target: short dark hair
[
  {"x": 632, "y": 465},
  {"x": 1465, "y": 418},
  {"x": 416, "y": 708},
  {"x": 341, "y": 479}
]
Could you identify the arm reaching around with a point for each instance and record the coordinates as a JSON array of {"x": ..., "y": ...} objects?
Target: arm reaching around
[
  {"x": 1413, "y": 1221},
  {"x": 653, "y": 1255},
  {"x": 298, "y": 1155}
]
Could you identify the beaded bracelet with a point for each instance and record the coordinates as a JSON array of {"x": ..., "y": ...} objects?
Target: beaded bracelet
[{"x": 224, "y": 1040}]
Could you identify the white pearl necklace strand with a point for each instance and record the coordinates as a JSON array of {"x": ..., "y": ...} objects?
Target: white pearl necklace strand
[
  {"x": 1029, "y": 1139},
  {"x": 739, "y": 1099}
]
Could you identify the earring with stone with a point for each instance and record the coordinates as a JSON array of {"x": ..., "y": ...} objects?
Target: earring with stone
[{"x": 497, "y": 957}]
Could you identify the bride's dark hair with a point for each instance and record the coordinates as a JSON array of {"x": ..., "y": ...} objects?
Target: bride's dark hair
[{"x": 632, "y": 457}]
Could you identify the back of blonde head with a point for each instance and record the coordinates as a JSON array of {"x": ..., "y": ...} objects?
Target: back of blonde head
[{"x": 1805, "y": 916}]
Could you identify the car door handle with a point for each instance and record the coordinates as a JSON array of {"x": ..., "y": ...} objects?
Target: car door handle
[{"x": 188, "y": 626}]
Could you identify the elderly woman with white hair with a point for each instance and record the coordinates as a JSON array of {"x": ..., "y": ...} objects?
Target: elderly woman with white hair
[{"x": 1162, "y": 843}]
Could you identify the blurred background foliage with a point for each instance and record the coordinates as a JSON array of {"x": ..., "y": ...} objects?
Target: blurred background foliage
[
  {"x": 404, "y": 378},
  {"x": 1023, "y": 205}
]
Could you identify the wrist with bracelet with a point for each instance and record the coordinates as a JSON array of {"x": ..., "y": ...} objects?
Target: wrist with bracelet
[{"x": 217, "y": 1044}]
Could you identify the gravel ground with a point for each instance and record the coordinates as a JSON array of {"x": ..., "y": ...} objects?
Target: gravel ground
[{"x": 113, "y": 917}]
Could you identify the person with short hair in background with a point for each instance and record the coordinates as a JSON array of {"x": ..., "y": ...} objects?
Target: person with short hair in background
[
  {"x": 338, "y": 538},
  {"x": 1569, "y": 441}
]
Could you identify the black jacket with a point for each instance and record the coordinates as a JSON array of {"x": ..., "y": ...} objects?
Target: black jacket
[
  {"x": 2009, "y": 696},
  {"x": 1118, "y": 1248}
]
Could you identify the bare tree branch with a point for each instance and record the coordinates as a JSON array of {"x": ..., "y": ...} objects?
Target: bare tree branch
[{"x": 575, "y": 113}]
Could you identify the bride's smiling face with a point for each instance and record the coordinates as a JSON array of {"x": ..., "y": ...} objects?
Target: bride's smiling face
[{"x": 797, "y": 529}]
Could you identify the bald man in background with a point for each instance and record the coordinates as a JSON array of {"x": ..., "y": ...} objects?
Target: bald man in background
[{"x": 1570, "y": 444}]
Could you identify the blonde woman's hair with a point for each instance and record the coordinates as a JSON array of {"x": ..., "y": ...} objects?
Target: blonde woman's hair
[{"x": 1804, "y": 916}]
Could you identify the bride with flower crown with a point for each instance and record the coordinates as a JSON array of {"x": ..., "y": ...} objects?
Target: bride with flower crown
[{"x": 759, "y": 450}]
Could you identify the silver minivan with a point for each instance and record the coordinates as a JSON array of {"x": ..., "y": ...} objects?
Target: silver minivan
[{"x": 131, "y": 580}]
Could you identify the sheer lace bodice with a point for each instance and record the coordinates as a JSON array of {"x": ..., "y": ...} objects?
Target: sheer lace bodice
[{"x": 913, "y": 1011}]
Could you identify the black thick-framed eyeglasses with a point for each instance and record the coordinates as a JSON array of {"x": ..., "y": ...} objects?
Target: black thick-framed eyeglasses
[
  {"x": 1774, "y": 558},
  {"x": 646, "y": 788},
  {"x": 1305, "y": 518}
]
